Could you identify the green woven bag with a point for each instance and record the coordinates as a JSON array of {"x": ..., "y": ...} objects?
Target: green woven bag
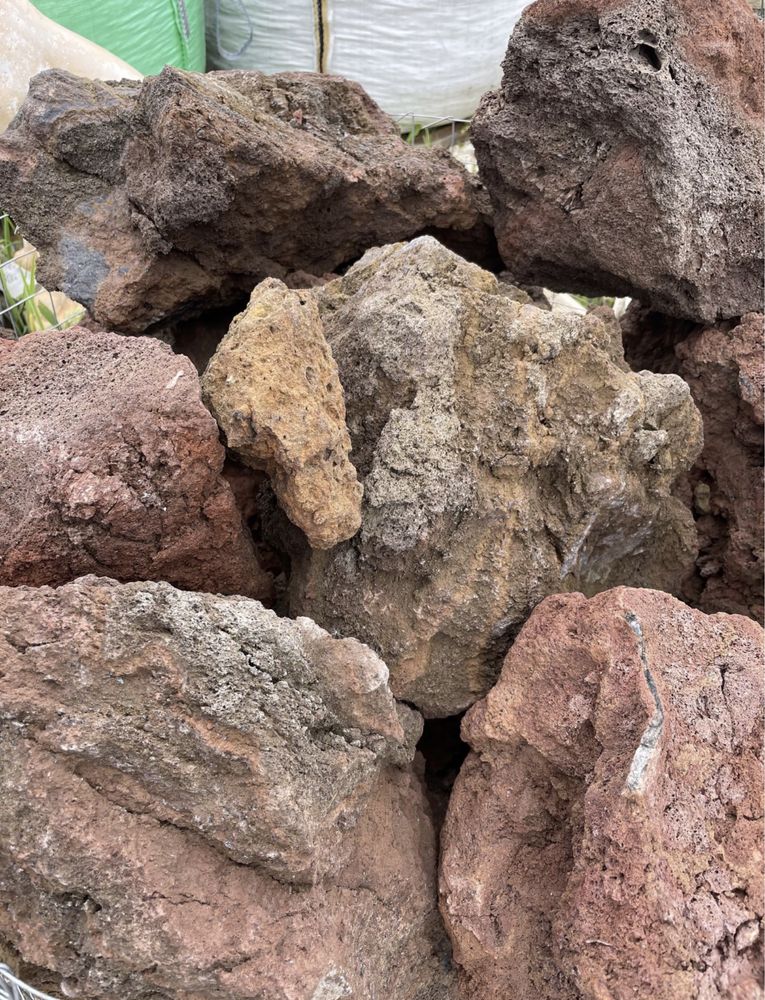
[{"x": 148, "y": 34}]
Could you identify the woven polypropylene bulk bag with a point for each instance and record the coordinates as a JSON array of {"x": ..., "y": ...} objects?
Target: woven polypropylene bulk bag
[
  {"x": 148, "y": 34},
  {"x": 430, "y": 58}
]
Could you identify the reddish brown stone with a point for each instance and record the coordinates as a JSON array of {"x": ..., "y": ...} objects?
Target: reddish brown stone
[
  {"x": 725, "y": 368},
  {"x": 147, "y": 200},
  {"x": 112, "y": 465},
  {"x": 202, "y": 801},
  {"x": 623, "y": 152},
  {"x": 604, "y": 838},
  {"x": 726, "y": 372}
]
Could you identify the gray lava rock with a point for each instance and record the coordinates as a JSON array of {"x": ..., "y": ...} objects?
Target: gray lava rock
[
  {"x": 623, "y": 152},
  {"x": 149, "y": 199},
  {"x": 506, "y": 453}
]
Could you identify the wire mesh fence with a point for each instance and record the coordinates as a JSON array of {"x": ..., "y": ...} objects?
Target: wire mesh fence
[
  {"x": 25, "y": 306},
  {"x": 12, "y": 988},
  {"x": 432, "y": 130},
  {"x": 452, "y": 134}
]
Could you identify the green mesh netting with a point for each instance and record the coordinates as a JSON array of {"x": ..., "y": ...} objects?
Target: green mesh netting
[{"x": 148, "y": 34}]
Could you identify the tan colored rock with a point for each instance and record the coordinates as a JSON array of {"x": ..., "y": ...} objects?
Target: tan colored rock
[
  {"x": 200, "y": 800},
  {"x": 110, "y": 464},
  {"x": 506, "y": 453},
  {"x": 604, "y": 838},
  {"x": 273, "y": 387}
]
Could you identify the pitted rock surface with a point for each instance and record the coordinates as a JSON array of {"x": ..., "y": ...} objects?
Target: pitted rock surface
[
  {"x": 200, "y": 799},
  {"x": 148, "y": 199},
  {"x": 112, "y": 465},
  {"x": 725, "y": 370},
  {"x": 506, "y": 453},
  {"x": 603, "y": 838},
  {"x": 623, "y": 152},
  {"x": 273, "y": 387}
]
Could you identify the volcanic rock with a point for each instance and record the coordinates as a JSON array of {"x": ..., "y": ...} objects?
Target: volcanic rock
[
  {"x": 724, "y": 367},
  {"x": 149, "y": 199},
  {"x": 112, "y": 465},
  {"x": 506, "y": 453},
  {"x": 201, "y": 800},
  {"x": 273, "y": 387},
  {"x": 649, "y": 338},
  {"x": 603, "y": 838},
  {"x": 623, "y": 152}
]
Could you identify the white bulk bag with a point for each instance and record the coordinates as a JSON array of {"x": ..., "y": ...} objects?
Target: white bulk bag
[{"x": 427, "y": 58}]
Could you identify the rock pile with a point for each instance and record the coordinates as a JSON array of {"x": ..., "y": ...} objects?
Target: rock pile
[{"x": 450, "y": 497}]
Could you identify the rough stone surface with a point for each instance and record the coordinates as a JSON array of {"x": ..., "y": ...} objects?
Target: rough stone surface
[
  {"x": 145, "y": 199},
  {"x": 273, "y": 387},
  {"x": 201, "y": 800},
  {"x": 506, "y": 453},
  {"x": 112, "y": 465},
  {"x": 604, "y": 839},
  {"x": 725, "y": 370},
  {"x": 649, "y": 338},
  {"x": 624, "y": 152}
]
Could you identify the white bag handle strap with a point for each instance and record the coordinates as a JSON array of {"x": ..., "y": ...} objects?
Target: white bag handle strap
[{"x": 233, "y": 56}]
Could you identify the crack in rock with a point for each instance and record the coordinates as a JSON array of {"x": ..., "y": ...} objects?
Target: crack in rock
[{"x": 649, "y": 741}]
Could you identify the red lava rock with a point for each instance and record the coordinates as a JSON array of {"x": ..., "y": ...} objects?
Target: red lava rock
[
  {"x": 725, "y": 368},
  {"x": 604, "y": 837},
  {"x": 202, "y": 801},
  {"x": 112, "y": 465},
  {"x": 623, "y": 152},
  {"x": 150, "y": 199},
  {"x": 726, "y": 372}
]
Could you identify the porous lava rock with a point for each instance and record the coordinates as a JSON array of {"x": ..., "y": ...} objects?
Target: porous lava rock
[
  {"x": 724, "y": 367},
  {"x": 603, "y": 839},
  {"x": 112, "y": 465},
  {"x": 506, "y": 453},
  {"x": 623, "y": 152},
  {"x": 201, "y": 800},
  {"x": 148, "y": 199},
  {"x": 649, "y": 338},
  {"x": 273, "y": 387}
]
